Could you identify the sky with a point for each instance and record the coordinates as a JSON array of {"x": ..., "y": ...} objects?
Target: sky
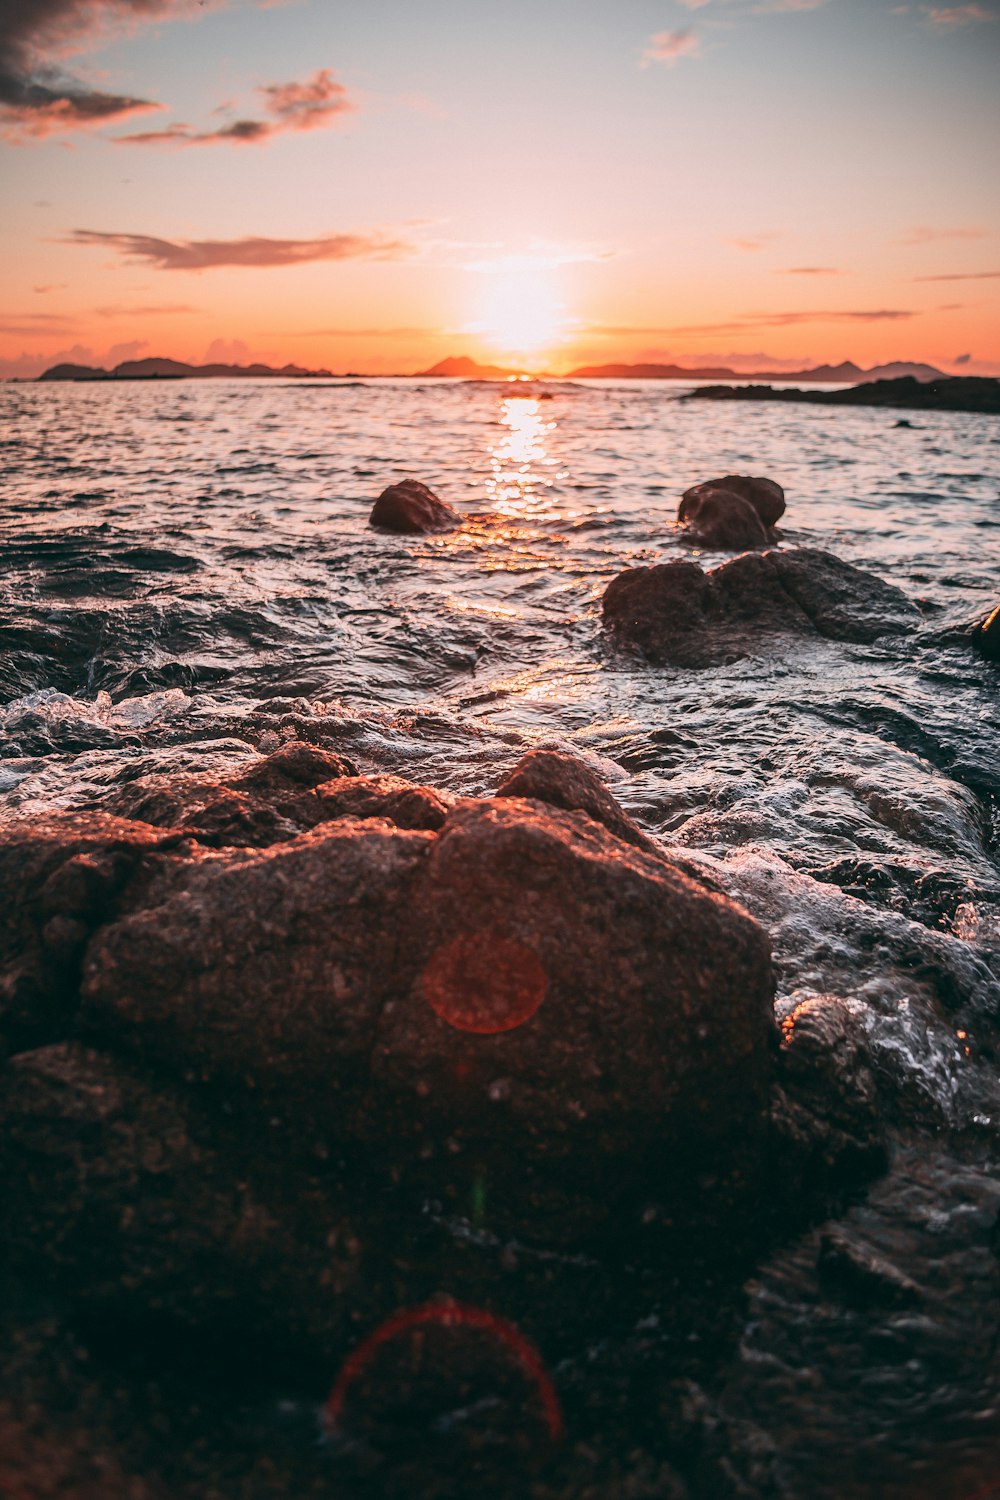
[{"x": 374, "y": 185}]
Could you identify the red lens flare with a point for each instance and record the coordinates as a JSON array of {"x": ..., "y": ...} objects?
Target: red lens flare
[
  {"x": 484, "y": 983},
  {"x": 450, "y": 1315}
]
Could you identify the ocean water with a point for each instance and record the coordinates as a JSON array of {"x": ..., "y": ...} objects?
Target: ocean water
[{"x": 184, "y": 564}]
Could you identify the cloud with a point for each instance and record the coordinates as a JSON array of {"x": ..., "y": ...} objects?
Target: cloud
[
  {"x": 958, "y": 15},
  {"x": 754, "y": 241},
  {"x": 203, "y": 255},
  {"x": 811, "y": 271},
  {"x": 37, "y": 96},
  {"x": 963, "y": 276},
  {"x": 693, "y": 4},
  {"x": 27, "y": 366},
  {"x": 925, "y": 234},
  {"x": 670, "y": 46},
  {"x": 750, "y": 322},
  {"x": 153, "y": 310},
  {"x": 317, "y": 102},
  {"x": 962, "y": 359},
  {"x": 776, "y": 7},
  {"x": 37, "y": 325}
]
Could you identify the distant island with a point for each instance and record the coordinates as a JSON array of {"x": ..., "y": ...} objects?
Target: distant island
[
  {"x": 971, "y": 393},
  {"x": 847, "y": 373},
  {"x": 173, "y": 369}
]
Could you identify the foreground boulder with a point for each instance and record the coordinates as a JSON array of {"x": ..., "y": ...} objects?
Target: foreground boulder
[
  {"x": 519, "y": 997},
  {"x": 411, "y": 507},
  {"x": 676, "y": 613}
]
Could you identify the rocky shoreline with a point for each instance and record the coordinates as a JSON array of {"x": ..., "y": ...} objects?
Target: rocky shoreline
[{"x": 363, "y": 1138}]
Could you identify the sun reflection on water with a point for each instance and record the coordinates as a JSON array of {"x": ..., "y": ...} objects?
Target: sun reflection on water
[{"x": 521, "y": 466}]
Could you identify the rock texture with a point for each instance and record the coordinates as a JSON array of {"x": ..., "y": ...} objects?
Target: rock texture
[
  {"x": 676, "y": 613},
  {"x": 411, "y": 507},
  {"x": 561, "y": 780}
]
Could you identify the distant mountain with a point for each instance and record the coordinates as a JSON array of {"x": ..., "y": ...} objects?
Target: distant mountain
[
  {"x": 173, "y": 369},
  {"x": 844, "y": 374},
  {"x": 957, "y": 393},
  {"x": 463, "y": 368}
]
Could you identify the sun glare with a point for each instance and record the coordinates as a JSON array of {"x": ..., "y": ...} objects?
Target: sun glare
[{"x": 519, "y": 311}]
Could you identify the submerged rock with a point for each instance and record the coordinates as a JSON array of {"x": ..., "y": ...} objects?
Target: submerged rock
[
  {"x": 411, "y": 507},
  {"x": 987, "y": 636},
  {"x": 676, "y": 613},
  {"x": 561, "y": 780},
  {"x": 766, "y": 497},
  {"x": 720, "y": 518},
  {"x": 825, "y": 1111}
]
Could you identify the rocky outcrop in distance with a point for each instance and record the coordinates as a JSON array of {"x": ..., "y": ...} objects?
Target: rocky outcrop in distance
[
  {"x": 962, "y": 393},
  {"x": 675, "y": 613}
]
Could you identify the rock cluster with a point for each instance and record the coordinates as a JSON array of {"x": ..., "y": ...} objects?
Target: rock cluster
[
  {"x": 679, "y": 614},
  {"x": 736, "y": 512}
]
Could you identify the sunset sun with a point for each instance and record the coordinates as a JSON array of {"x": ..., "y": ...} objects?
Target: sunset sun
[{"x": 519, "y": 310}]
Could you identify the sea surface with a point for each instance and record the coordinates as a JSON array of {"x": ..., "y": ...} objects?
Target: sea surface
[{"x": 184, "y": 563}]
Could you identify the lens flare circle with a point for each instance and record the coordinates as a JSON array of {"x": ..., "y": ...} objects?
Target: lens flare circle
[
  {"x": 484, "y": 983},
  {"x": 449, "y": 1315}
]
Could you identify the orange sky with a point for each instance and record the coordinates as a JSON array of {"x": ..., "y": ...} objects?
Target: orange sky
[{"x": 373, "y": 186}]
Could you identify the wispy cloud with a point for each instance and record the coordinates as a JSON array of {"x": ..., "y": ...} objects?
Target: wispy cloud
[
  {"x": 775, "y": 7},
  {"x": 749, "y": 322},
  {"x": 751, "y": 242},
  {"x": 151, "y": 310},
  {"x": 811, "y": 271},
  {"x": 962, "y": 359},
  {"x": 256, "y": 251},
  {"x": 309, "y": 105},
  {"x": 959, "y": 15},
  {"x": 963, "y": 276},
  {"x": 670, "y": 46},
  {"x": 37, "y": 325},
  {"x": 38, "y": 97},
  {"x": 925, "y": 234}
]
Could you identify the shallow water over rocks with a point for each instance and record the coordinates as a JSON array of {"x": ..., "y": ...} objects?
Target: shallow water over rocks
[{"x": 189, "y": 579}]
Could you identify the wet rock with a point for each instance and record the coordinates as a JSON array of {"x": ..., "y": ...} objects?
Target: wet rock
[
  {"x": 295, "y": 765},
  {"x": 825, "y": 1110},
  {"x": 720, "y": 518},
  {"x": 59, "y": 879},
  {"x": 676, "y": 613},
  {"x": 267, "y": 802},
  {"x": 113, "y": 1195},
  {"x": 266, "y": 967},
  {"x": 400, "y": 802},
  {"x": 987, "y": 636},
  {"x": 859, "y": 1274},
  {"x": 411, "y": 507},
  {"x": 563, "y": 781},
  {"x": 766, "y": 497},
  {"x": 582, "y": 1020},
  {"x": 520, "y": 1000}
]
